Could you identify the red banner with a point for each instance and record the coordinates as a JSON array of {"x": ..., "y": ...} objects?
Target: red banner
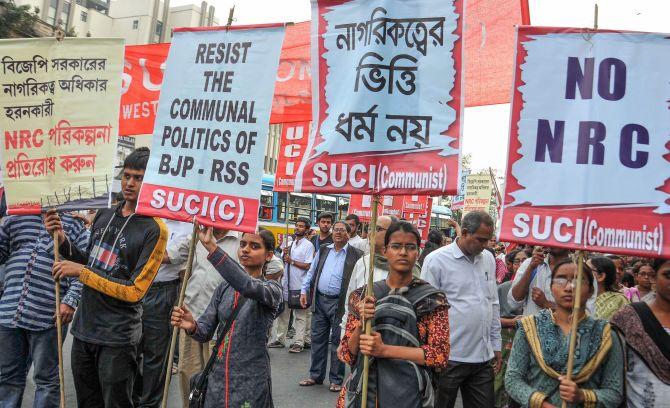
[
  {"x": 422, "y": 221},
  {"x": 489, "y": 49},
  {"x": 588, "y": 165},
  {"x": 143, "y": 78},
  {"x": 415, "y": 204},
  {"x": 361, "y": 205},
  {"x": 291, "y": 150}
]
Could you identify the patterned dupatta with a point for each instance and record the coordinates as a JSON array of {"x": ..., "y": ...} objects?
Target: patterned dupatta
[{"x": 550, "y": 346}]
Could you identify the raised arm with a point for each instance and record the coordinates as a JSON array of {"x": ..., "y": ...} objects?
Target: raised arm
[{"x": 268, "y": 293}]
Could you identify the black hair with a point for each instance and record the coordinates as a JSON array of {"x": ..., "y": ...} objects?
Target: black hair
[
  {"x": 606, "y": 265},
  {"x": 658, "y": 262},
  {"x": 354, "y": 217},
  {"x": 474, "y": 220},
  {"x": 324, "y": 214},
  {"x": 346, "y": 226},
  {"x": 614, "y": 257},
  {"x": 268, "y": 239},
  {"x": 640, "y": 264},
  {"x": 587, "y": 271},
  {"x": 305, "y": 220},
  {"x": 510, "y": 257},
  {"x": 435, "y": 236},
  {"x": 137, "y": 160},
  {"x": 402, "y": 226},
  {"x": 628, "y": 280}
]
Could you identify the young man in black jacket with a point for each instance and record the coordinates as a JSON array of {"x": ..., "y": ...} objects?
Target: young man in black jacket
[{"x": 123, "y": 256}]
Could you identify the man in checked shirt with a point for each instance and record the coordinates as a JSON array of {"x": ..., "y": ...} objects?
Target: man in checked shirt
[{"x": 28, "y": 304}]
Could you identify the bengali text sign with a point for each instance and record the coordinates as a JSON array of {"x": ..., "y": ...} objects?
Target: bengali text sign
[{"x": 59, "y": 107}]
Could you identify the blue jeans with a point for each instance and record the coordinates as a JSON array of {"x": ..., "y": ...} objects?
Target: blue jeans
[
  {"x": 325, "y": 333},
  {"x": 19, "y": 346}
]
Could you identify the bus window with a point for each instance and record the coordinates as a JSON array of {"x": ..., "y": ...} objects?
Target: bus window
[
  {"x": 300, "y": 205},
  {"x": 326, "y": 203},
  {"x": 343, "y": 208},
  {"x": 267, "y": 206}
]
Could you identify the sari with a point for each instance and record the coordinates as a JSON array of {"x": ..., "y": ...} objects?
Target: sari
[
  {"x": 648, "y": 352},
  {"x": 608, "y": 303},
  {"x": 540, "y": 354}
]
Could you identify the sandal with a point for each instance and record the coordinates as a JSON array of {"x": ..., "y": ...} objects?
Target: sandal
[
  {"x": 308, "y": 382},
  {"x": 295, "y": 348},
  {"x": 335, "y": 388}
]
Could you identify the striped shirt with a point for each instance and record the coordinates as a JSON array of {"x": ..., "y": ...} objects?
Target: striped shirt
[{"x": 26, "y": 251}]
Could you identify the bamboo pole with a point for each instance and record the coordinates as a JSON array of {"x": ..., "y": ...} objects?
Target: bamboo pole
[
  {"x": 180, "y": 303},
  {"x": 372, "y": 231},
  {"x": 286, "y": 218},
  {"x": 576, "y": 313},
  {"x": 59, "y": 327}
]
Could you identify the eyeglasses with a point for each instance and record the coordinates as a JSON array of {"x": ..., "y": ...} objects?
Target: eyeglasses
[
  {"x": 380, "y": 229},
  {"x": 644, "y": 275},
  {"x": 563, "y": 282},
  {"x": 408, "y": 247},
  {"x": 336, "y": 230}
]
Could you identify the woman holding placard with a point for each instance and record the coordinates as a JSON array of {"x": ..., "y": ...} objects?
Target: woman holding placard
[{"x": 536, "y": 372}]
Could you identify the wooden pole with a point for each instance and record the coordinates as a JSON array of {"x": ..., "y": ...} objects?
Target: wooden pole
[
  {"x": 180, "y": 303},
  {"x": 576, "y": 312},
  {"x": 372, "y": 231},
  {"x": 59, "y": 327},
  {"x": 286, "y": 218}
]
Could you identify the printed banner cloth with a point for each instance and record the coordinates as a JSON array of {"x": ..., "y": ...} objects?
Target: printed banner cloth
[
  {"x": 59, "y": 110},
  {"x": 589, "y": 139},
  {"x": 211, "y": 131},
  {"x": 387, "y": 116},
  {"x": 291, "y": 151}
]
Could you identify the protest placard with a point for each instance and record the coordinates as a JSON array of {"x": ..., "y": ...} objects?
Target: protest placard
[
  {"x": 478, "y": 190},
  {"x": 291, "y": 151},
  {"x": 59, "y": 110},
  {"x": 458, "y": 200},
  {"x": 422, "y": 220},
  {"x": 588, "y": 154},
  {"x": 361, "y": 205},
  {"x": 210, "y": 134},
  {"x": 143, "y": 70},
  {"x": 387, "y": 113},
  {"x": 415, "y": 204}
]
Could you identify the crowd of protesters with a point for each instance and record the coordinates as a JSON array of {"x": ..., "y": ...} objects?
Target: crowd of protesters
[{"x": 484, "y": 320}]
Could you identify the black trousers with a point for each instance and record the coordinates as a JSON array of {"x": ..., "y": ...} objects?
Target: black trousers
[
  {"x": 475, "y": 380},
  {"x": 103, "y": 375},
  {"x": 153, "y": 349}
]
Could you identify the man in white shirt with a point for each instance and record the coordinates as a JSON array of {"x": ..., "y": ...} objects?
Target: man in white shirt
[
  {"x": 199, "y": 290},
  {"x": 297, "y": 260},
  {"x": 467, "y": 276},
  {"x": 156, "y": 330},
  {"x": 531, "y": 288},
  {"x": 355, "y": 240}
]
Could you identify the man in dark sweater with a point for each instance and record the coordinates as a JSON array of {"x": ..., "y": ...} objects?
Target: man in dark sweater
[{"x": 123, "y": 256}]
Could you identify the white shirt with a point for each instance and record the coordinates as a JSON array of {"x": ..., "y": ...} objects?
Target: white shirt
[
  {"x": 541, "y": 280},
  {"x": 204, "y": 277},
  {"x": 359, "y": 278},
  {"x": 177, "y": 232},
  {"x": 359, "y": 243},
  {"x": 470, "y": 286},
  {"x": 302, "y": 251}
]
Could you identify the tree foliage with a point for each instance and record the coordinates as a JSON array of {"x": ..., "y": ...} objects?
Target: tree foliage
[{"x": 17, "y": 21}]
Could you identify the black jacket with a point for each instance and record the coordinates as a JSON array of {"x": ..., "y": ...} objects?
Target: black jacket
[{"x": 353, "y": 255}]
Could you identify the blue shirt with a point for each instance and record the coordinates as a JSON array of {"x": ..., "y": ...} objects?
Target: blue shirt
[
  {"x": 330, "y": 280},
  {"x": 26, "y": 251}
]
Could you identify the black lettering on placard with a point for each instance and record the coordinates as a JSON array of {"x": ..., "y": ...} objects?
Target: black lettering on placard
[
  {"x": 626, "y": 146},
  {"x": 611, "y": 78},
  {"x": 548, "y": 141},
  {"x": 591, "y": 135}
]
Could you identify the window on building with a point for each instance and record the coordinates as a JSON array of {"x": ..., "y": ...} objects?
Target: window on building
[
  {"x": 80, "y": 2},
  {"x": 51, "y": 15},
  {"x": 159, "y": 28},
  {"x": 136, "y": 24},
  {"x": 84, "y": 16},
  {"x": 65, "y": 13},
  {"x": 267, "y": 206}
]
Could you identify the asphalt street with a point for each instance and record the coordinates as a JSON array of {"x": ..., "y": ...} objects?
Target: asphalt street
[{"x": 287, "y": 370}]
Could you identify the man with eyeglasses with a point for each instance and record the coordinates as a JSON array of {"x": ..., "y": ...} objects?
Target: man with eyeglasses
[
  {"x": 466, "y": 273},
  {"x": 327, "y": 282}
]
